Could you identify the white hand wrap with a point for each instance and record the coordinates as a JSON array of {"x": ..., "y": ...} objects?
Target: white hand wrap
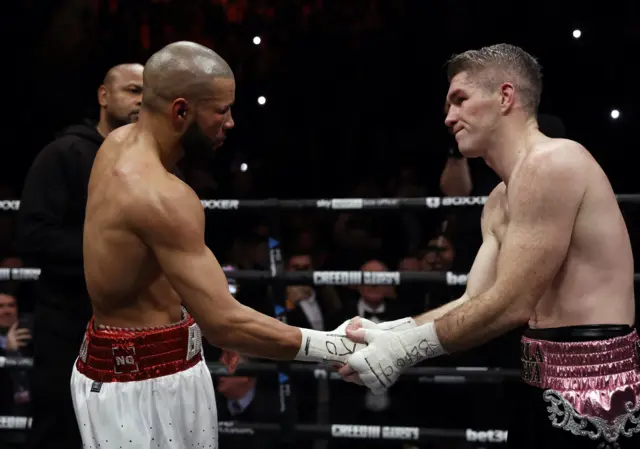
[
  {"x": 390, "y": 353},
  {"x": 398, "y": 325},
  {"x": 327, "y": 347}
]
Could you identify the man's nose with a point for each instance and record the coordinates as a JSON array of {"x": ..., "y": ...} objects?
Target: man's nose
[
  {"x": 230, "y": 123},
  {"x": 450, "y": 120}
]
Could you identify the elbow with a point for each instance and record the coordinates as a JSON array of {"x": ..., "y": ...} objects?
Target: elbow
[
  {"x": 221, "y": 329},
  {"x": 520, "y": 312}
]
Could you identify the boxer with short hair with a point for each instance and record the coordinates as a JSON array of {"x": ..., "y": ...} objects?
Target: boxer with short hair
[
  {"x": 555, "y": 255},
  {"x": 140, "y": 379}
]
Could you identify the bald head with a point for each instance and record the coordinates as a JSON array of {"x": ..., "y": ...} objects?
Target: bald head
[
  {"x": 119, "y": 71},
  {"x": 119, "y": 97},
  {"x": 373, "y": 265},
  {"x": 181, "y": 70}
]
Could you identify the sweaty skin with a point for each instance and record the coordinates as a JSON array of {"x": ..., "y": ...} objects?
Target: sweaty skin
[{"x": 144, "y": 251}]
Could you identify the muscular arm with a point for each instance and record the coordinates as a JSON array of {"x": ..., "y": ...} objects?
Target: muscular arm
[
  {"x": 483, "y": 271},
  {"x": 543, "y": 209},
  {"x": 172, "y": 225},
  {"x": 170, "y": 220},
  {"x": 544, "y": 203}
]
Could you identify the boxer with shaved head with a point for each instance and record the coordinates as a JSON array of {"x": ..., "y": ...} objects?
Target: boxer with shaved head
[{"x": 140, "y": 378}]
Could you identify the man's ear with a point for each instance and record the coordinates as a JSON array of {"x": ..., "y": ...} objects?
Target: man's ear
[
  {"x": 507, "y": 96},
  {"x": 102, "y": 96},
  {"x": 180, "y": 109}
]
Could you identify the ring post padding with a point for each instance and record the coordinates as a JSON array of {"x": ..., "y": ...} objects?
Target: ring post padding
[{"x": 288, "y": 412}]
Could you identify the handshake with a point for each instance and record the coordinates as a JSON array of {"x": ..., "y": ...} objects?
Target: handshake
[{"x": 371, "y": 354}]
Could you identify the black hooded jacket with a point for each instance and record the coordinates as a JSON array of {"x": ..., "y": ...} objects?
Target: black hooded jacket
[{"x": 52, "y": 207}]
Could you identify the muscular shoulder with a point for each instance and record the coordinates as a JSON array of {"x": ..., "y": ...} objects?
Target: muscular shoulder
[
  {"x": 556, "y": 166},
  {"x": 552, "y": 179},
  {"x": 161, "y": 204},
  {"x": 555, "y": 157}
]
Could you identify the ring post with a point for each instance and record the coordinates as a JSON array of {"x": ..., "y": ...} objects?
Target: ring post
[{"x": 288, "y": 413}]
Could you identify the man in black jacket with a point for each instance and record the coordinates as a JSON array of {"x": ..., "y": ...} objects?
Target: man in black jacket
[{"x": 49, "y": 232}]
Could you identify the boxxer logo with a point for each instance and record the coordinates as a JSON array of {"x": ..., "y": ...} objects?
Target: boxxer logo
[
  {"x": 9, "y": 204},
  {"x": 220, "y": 204},
  {"x": 464, "y": 200}
]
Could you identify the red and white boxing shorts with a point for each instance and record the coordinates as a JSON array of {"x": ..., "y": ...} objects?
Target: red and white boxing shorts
[{"x": 145, "y": 388}]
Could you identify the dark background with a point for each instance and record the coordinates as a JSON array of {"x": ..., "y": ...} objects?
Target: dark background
[{"x": 349, "y": 84}]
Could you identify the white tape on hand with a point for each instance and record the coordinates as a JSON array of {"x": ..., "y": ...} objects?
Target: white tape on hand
[
  {"x": 326, "y": 347},
  {"x": 390, "y": 353}
]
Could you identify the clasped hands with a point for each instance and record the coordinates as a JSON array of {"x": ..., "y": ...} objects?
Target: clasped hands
[{"x": 391, "y": 348}]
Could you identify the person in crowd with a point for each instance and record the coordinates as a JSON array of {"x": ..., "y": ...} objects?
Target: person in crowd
[
  {"x": 377, "y": 303},
  {"x": 246, "y": 399},
  {"x": 49, "y": 236},
  {"x": 15, "y": 339}
]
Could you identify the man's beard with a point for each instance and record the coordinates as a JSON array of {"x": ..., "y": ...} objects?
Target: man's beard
[
  {"x": 116, "y": 122},
  {"x": 197, "y": 146}
]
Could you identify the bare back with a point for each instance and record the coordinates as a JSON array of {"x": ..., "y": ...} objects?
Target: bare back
[
  {"x": 125, "y": 283},
  {"x": 594, "y": 284}
]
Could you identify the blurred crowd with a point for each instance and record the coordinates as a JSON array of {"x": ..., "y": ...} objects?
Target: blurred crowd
[{"x": 359, "y": 159}]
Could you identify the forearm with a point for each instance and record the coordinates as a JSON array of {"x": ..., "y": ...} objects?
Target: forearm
[
  {"x": 434, "y": 314},
  {"x": 255, "y": 334},
  {"x": 478, "y": 321},
  {"x": 472, "y": 323}
]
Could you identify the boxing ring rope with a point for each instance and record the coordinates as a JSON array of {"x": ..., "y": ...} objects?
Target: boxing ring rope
[
  {"x": 430, "y": 202},
  {"x": 317, "y": 277},
  {"x": 426, "y": 374},
  {"x": 346, "y": 431},
  {"x": 421, "y": 375},
  {"x": 288, "y": 427}
]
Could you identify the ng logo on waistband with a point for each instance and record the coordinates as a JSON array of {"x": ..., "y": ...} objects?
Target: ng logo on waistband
[{"x": 124, "y": 360}]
